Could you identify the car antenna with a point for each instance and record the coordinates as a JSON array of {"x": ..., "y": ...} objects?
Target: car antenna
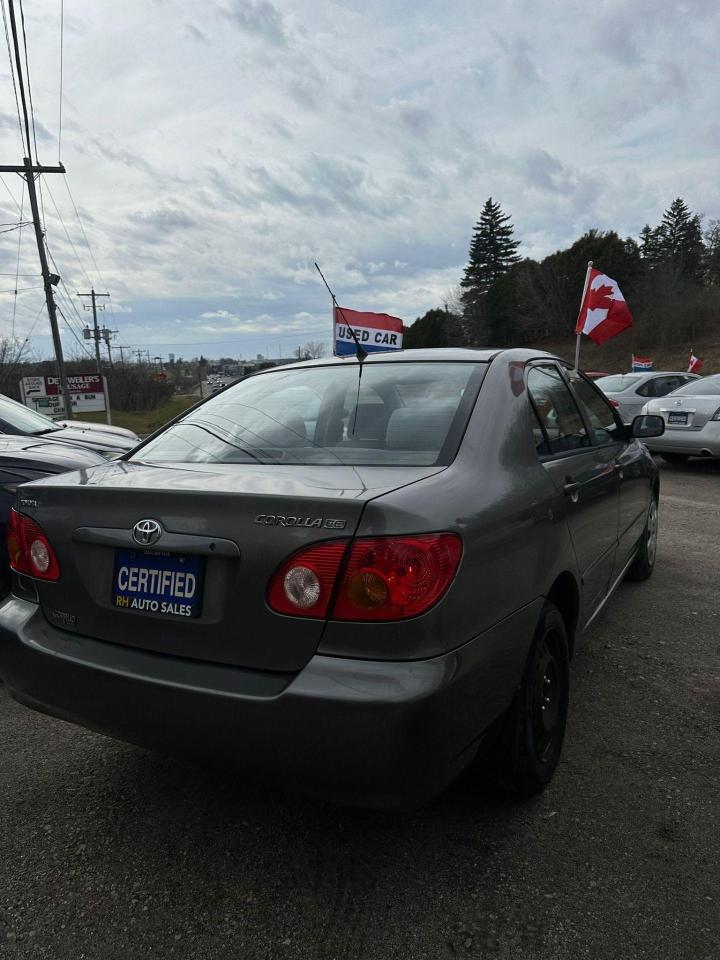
[{"x": 360, "y": 353}]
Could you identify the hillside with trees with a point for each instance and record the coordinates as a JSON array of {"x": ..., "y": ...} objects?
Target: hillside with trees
[{"x": 669, "y": 275}]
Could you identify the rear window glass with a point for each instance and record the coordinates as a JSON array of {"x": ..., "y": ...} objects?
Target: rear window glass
[
  {"x": 388, "y": 414},
  {"x": 616, "y": 384},
  {"x": 705, "y": 387}
]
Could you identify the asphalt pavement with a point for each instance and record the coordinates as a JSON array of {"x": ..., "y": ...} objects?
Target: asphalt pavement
[{"x": 108, "y": 851}]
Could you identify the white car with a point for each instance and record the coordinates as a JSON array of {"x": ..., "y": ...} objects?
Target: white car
[
  {"x": 629, "y": 392},
  {"x": 692, "y": 421}
]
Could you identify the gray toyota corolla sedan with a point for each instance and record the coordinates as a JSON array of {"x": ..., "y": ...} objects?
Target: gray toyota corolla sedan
[{"x": 349, "y": 578}]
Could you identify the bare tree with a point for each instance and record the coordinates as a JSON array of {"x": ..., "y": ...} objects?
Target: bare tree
[
  {"x": 312, "y": 350},
  {"x": 13, "y": 354}
]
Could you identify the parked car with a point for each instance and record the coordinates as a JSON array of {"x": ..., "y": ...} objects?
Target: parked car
[
  {"x": 356, "y": 599},
  {"x": 23, "y": 459},
  {"x": 594, "y": 374},
  {"x": 19, "y": 420},
  {"x": 692, "y": 421},
  {"x": 100, "y": 428},
  {"x": 629, "y": 392}
]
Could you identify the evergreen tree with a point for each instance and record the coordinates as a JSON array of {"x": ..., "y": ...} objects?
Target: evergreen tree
[
  {"x": 712, "y": 254},
  {"x": 493, "y": 250},
  {"x": 680, "y": 241},
  {"x": 650, "y": 241}
]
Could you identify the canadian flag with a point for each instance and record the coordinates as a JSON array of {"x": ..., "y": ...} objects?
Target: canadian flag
[
  {"x": 603, "y": 313},
  {"x": 695, "y": 363}
]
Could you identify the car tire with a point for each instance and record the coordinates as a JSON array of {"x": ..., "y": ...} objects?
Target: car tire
[
  {"x": 675, "y": 457},
  {"x": 535, "y": 729},
  {"x": 644, "y": 562}
]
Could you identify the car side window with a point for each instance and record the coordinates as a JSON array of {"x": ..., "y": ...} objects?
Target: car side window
[
  {"x": 660, "y": 386},
  {"x": 539, "y": 439},
  {"x": 557, "y": 411},
  {"x": 599, "y": 414}
]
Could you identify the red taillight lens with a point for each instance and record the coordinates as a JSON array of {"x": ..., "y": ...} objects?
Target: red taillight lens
[
  {"x": 29, "y": 549},
  {"x": 393, "y": 578},
  {"x": 384, "y": 578},
  {"x": 614, "y": 403},
  {"x": 303, "y": 585}
]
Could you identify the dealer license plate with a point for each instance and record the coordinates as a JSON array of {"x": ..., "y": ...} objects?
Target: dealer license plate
[
  {"x": 167, "y": 584},
  {"x": 679, "y": 418}
]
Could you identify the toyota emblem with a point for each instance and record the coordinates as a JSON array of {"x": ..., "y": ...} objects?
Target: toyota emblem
[{"x": 146, "y": 532}]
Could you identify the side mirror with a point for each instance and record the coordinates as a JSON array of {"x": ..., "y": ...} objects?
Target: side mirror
[{"x": 647, "y": 426}]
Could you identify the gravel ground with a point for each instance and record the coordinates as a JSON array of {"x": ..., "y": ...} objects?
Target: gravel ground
[{"x": 107, "y": 851}]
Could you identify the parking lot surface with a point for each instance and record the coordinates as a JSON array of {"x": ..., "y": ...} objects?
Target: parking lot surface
[{"x": 108, "y": 851}]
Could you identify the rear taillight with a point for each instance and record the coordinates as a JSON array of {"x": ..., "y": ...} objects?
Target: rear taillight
[
  {"x": 383, "y": 578},
  {"x": 29, "y": 549},
  {"x": 614, "y": 403},
  {"x": 392, "y": 578},
  {"x": 303, "y": 585}
]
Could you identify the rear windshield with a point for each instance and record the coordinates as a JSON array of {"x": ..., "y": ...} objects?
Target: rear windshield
[
  {"x": 616, "y": 384},
  {"x": 386, "y": 414},
  {"x": 705, "y": 387}
]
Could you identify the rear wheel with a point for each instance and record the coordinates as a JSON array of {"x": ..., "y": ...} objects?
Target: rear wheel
[
  {"x": 644, "y": 562},
  {"x": 675, "y": 457},
  {"x": 536, "y": 723}
]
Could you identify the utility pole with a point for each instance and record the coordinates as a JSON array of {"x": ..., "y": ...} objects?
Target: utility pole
[
  {"x": 96, "y": 329},
  {"x": 122, "y": 350},
  {"x": 29, "y": 172},
  {"x": 106, "y": 335}
]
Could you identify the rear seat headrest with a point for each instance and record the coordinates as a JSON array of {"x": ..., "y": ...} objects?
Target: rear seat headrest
[{"x": 422, "y": 427}]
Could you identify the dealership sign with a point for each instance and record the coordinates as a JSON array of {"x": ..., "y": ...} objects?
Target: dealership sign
[
  {"x": 87, "y": 393},
  {"x": 375, "y": 332}
]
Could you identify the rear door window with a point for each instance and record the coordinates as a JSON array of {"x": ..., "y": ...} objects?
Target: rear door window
[
  {"x": 661, "y": 386},
  {"x": 600, "y": 416},
  {"x": 557, "y": 410}
]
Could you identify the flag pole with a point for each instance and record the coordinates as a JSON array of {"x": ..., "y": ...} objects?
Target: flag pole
[{"x": 582, "y": 301}]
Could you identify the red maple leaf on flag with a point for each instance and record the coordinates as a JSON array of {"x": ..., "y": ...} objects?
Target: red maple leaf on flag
[
  {"x": 600, "y": 298},
  {"x": 603, "y": 313}
]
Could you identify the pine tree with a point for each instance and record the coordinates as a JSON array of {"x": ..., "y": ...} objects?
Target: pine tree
[
  {"x": 712, "y": 254},
  {"x": 493, "y": 250},
  {"x": 650, "y": 240},
  {"x": 680, "y": 241}
]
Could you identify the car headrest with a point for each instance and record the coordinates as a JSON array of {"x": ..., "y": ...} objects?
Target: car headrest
[{"x": 422, "y": 427}]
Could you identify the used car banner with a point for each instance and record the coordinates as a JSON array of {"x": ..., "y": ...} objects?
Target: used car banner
[{"x": 375, "y": 332}]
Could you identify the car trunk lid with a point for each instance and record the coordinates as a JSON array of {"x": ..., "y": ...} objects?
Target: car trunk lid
[{"x": 225, "y": 528}]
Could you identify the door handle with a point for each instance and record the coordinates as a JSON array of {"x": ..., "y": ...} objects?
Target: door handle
[
  {"x": 619, "y": 468},
  {"x": 572, "y": 489}
]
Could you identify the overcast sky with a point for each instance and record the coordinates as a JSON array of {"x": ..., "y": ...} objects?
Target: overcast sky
[{"x": 215, "y": 150}]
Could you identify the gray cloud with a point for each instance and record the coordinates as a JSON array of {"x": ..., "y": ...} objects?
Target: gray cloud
[{"x": 259, "y": 18}]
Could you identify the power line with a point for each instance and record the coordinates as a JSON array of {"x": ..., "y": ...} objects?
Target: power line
[
  {"x": 4, "y": 183},
  {"x": 69, "y": 239},
  {"x": 21, "y": 85},
  {"x": 17, "y": 265},
  {"x": 12, "y": 73},
  {"x": 72, "y": 331},
  {"x": 27, "y": 77},
  {"x": 60, "y": 104},
  {"x": 82, "y": 228}
]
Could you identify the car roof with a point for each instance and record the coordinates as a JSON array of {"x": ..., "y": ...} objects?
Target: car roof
[{"x": 436, "y": 354}]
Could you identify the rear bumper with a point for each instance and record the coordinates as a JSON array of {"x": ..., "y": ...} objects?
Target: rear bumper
[
  {"x": 385, "y": 734},
  {"x": 691, "y": 442}
]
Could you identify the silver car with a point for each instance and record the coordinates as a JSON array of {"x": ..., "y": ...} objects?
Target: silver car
[
  {"x": 692, "y": 421},
  {"x": 629, "y": 392}
]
